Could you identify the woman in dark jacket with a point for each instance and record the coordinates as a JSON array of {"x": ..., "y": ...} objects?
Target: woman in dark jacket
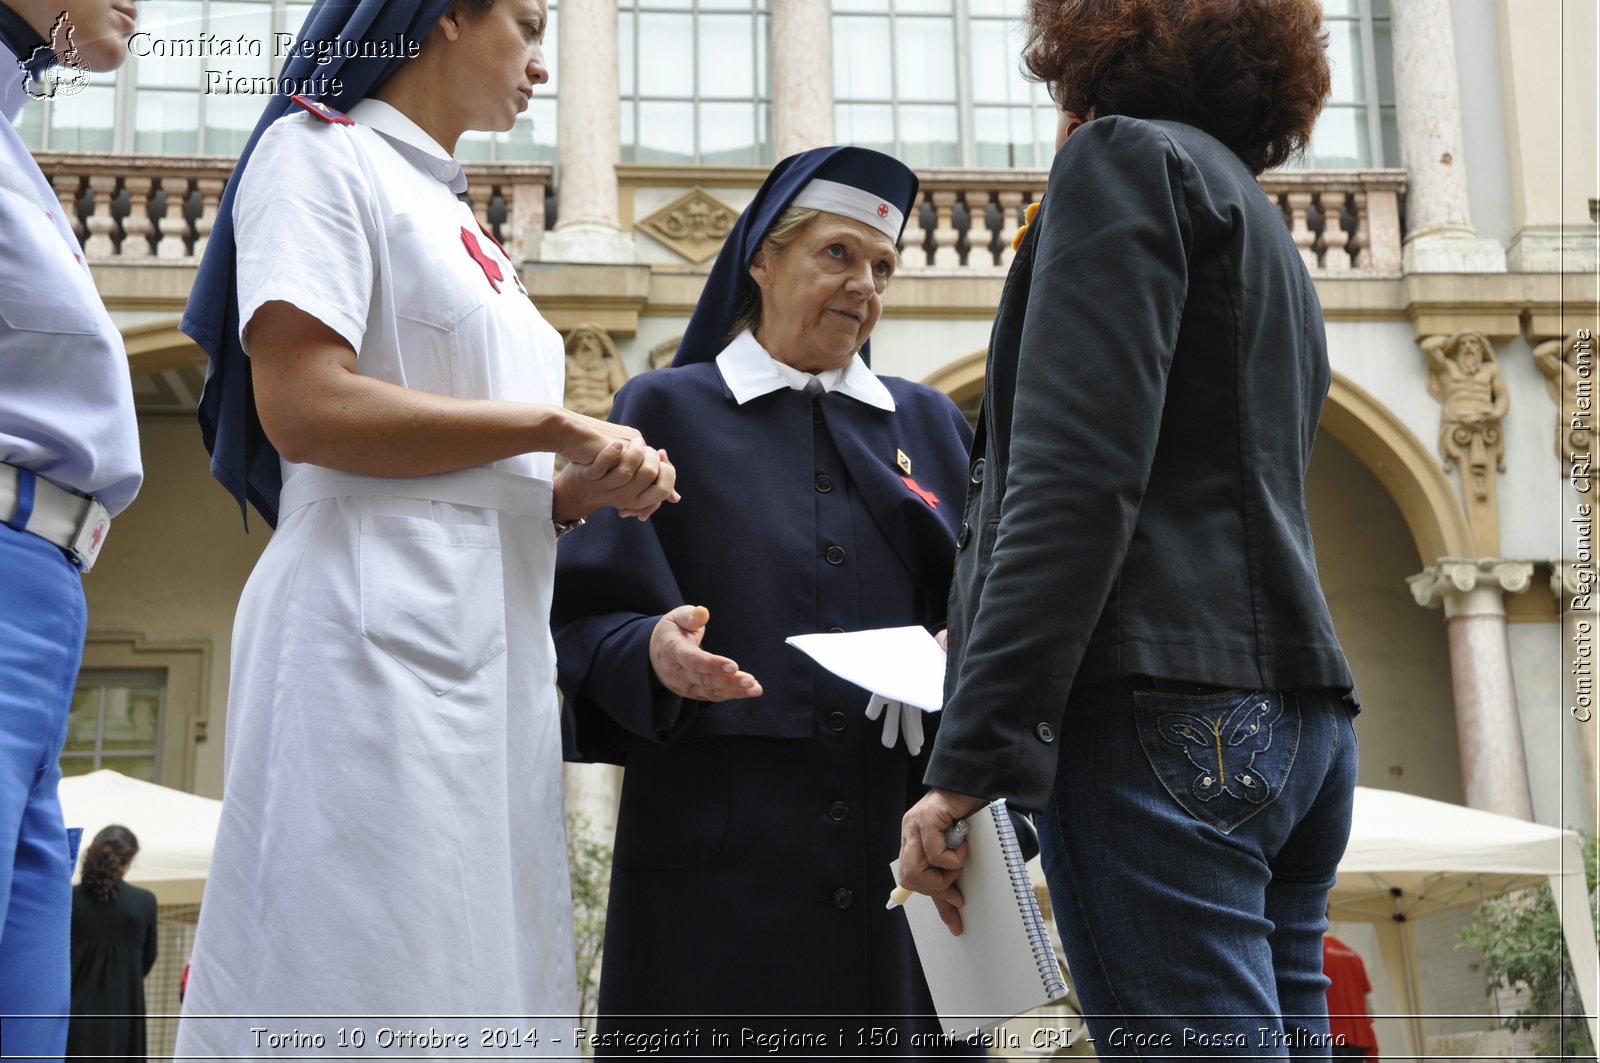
[
  {"x": 113, "y": 948},
  {"x": 1139, "y": 645}
]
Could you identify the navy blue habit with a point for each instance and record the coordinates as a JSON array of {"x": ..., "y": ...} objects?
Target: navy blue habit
[{"x": 754, "y": 835}]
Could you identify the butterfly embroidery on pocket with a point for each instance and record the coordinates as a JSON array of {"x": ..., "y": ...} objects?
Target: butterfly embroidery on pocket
[{"x": 1224, "y": 746}]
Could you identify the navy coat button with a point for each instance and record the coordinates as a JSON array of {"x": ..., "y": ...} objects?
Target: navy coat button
[
  {"x": 836, "y": 631},
  {"x": 835, "y": 555},
  {"x": 843, "y": 898},
  {"x": 963, "y": 536},
  {"x": 977, "y": 472},
  {"x": 1046, "y": 733},
  {"x": 835, "y": 722},
  {"x": 824, "y": 483},
  {"x": 838, "y": 811},
  {"x": 816, "y": 413}
]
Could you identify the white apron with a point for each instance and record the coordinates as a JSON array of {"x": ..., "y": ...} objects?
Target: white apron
[{"x": 390, "y": 876}]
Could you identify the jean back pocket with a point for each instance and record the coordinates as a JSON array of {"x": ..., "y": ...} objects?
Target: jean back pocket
[{"x": 1222, "y": 756}]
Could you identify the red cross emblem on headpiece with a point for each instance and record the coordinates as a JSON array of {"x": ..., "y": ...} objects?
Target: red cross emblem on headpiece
[{"x": 883, "y": 210}]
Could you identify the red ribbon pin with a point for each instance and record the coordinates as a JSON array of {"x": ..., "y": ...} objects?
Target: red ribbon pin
[{"x": 921, "y": 492}]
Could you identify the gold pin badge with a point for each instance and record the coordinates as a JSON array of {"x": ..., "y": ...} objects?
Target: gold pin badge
[{"x": 903, "y": 462}]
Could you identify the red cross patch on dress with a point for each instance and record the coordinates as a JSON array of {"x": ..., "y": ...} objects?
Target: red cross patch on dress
[
  {"x": 485, "y": 230},
  {"x": 491, "y": 268}
]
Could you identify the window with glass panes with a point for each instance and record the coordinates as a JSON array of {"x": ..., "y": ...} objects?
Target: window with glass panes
[
  {"x": 115, "y": 722},
  {"x": 1357, "y": 127},
  {"x": 938, "y": 83},
  {"x": 1013, "y": 119},
  {"x": 168, "y": 100},
  {"x": 158, "y": 101},
  {"x": 694, "y": 81}
]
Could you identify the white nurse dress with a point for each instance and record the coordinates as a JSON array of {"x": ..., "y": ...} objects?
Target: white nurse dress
[{"x": 391, "y": 864}]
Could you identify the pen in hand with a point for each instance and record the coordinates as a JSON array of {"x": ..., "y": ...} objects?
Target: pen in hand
[{"x": 953, "y": 835}]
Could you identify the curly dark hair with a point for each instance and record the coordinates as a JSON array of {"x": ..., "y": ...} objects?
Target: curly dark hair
[
  {"x": 1252, "y": 73},
  {"x": 108, "y": 857}
]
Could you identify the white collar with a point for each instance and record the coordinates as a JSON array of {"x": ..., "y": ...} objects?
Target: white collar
[
  {"x": 413, "y": 143},
  {"x": 750, "y": 372}
]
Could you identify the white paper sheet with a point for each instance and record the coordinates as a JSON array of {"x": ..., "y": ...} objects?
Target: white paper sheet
[{"x": 901, "y": 663}]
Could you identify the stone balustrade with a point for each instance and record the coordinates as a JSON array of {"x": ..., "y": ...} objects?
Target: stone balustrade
[
  {"x": 1343, "y": 221},
  {"x": 161, "y": 208}
]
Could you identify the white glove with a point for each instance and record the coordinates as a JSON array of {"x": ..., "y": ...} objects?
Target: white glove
[{"x": 900, "y": 718}]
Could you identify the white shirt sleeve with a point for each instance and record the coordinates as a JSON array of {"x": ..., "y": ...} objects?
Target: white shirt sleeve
[
  {"x": 66, "y": 398},
  {"x": 305, "y": 226}
]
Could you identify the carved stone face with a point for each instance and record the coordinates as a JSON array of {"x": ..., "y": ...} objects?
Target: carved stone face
[
  {"x": 1470, "y": 355},
  {"x": 586, "y": 348}
]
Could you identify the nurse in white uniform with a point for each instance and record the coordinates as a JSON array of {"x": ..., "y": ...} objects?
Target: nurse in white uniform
[{"x": 392, "y": 838}]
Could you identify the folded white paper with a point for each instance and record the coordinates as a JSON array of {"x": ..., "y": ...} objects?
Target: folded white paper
[{"x": 900, "y": 663}]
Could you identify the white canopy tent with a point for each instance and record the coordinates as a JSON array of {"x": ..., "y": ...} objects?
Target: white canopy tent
[
  {"x": 1410, "y": 857},
  {"x": 175, "y": 830}
]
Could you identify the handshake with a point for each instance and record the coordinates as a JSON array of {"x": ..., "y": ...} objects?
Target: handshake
[{"x": 610, "y": 465}]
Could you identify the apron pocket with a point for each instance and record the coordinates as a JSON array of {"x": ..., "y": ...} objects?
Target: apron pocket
[{"x": 433, "y": 596}]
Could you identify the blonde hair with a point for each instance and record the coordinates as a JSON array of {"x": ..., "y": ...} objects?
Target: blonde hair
[{"x": 784, "y": 232}]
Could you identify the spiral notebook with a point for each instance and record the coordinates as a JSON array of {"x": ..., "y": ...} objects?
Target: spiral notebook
[{"x": 1003, "y": 964}]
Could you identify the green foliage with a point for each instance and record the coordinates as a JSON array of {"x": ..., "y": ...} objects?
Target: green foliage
[
  {"x": 1523, "y": 949},
  {"x": 589, "y": 866}
]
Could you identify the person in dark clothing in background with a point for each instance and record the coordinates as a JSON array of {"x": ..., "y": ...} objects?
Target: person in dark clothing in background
[{"x": 113, "y": 948}]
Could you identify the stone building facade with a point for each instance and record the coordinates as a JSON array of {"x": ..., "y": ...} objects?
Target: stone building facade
[{"x": 1447, "y": 211}]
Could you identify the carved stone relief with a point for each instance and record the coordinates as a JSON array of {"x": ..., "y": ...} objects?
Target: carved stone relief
[
  {"x": 1568, "y": 368},
  {"x": 661, "y": 354},
  {"x": 594, "y": 370},
  {"x": 694, "y": 225},
  {"x": 1465, "y": 379}
]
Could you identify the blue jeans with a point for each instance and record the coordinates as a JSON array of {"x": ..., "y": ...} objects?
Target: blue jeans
[
  {"x": 1189, "y": 847},
  {"x": 42, "y": 621}
]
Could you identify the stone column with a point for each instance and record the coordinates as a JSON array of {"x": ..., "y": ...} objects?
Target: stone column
[
  {"x": 1573, "y": 584},
  {"x": 802, "y": 76},
  {"x": 1494, "y": 769},
  {"x": 588, "y": 130},
  {"x": 1441, "y": 238},
  {"x": 593, "y": 793},
  {"x": 1549, "y": 88}
]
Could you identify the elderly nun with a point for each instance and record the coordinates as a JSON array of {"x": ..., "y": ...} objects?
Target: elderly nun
[{"x": 760, "y": 807}]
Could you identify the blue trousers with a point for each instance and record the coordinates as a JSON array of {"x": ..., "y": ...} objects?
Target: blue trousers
[
  {"x": 1189, "y": 848},
  {"x": 42, "y": 620}
]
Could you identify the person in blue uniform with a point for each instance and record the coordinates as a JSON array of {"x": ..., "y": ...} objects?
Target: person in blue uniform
[
  {"x": 759, "y": 805},
  {"x": 69, "y": 463}
]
